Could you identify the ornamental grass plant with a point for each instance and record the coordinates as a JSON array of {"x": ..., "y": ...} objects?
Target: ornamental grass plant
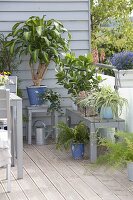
[{"x": 118, "y": 153}]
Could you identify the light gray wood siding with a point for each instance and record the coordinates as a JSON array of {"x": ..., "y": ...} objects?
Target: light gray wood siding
[{"x": 75, "y": 17}]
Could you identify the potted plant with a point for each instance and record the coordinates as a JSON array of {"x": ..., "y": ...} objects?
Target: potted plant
[
  {"x": 123, "y": 63},
  {"x": 78, "y": 74},
  {"x": 119, "y": 153},
  {"x": 53, "y": 99},
  {"x": 106, "y": 101},
  {"x": 72, "y": 137},
  {"x": 43, "y": 41},
  {"x": 7, "y": 62}
]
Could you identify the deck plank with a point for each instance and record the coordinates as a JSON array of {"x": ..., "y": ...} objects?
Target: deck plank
[
  {"x": 68, "y": 174},
  {"x": 87, "y": 178},
  {"x": 105, "y": 180},
  {"x": 53, "y": 175},
  {"x": 41, "y": 180},
  {"x": 17, "y": 192},
  {"x": 29, "y": 187},
  {"x": 57, "y": 180},
  {"x": 3, "y": 195}
]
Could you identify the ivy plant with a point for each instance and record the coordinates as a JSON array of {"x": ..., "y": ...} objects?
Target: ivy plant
[{"x": 53, "y": 98}]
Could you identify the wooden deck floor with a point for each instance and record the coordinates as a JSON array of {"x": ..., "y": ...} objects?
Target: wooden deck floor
[{"x": 53, "y": 175}]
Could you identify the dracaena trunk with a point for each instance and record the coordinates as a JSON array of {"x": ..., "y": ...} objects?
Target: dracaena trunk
[{"x": 37, "y": 75}]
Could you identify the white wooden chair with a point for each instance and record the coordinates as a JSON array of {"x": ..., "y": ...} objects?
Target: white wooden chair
[
  {"x": 12, "y": 85},
  {"x": 5, "y": 135},
  {"x": 13, "y": 88}
]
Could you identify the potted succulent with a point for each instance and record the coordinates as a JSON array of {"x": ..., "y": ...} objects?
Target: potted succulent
[
  {"x": 72, "y": 137},
  {"x": 106, "y": 101},
  {"x": 123, "y": 63},
  {"x": 43, "y": 41},
  {"x": 118, "y": 153}
]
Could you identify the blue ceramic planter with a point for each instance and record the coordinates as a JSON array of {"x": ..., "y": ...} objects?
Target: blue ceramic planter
[
  {"x": 77, "y": 151},
  {"x": 106, "y": 113},
  {"x": 34, "y": 94}
]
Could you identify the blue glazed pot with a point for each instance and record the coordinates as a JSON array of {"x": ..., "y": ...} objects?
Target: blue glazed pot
[
  {"x": 106, "y": 113},
  {"x": 34, "y": 94},
  {"x": 77, "y": 151}
]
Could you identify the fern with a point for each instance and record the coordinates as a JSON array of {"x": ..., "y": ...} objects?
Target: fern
[{"x": 67, "y": 135}]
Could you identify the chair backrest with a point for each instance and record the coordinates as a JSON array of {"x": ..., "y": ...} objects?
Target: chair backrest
[
  {"x": 5, "y": 135},
  {"x": 5, "y": 107},
  {"x": 12, "y": 84}
]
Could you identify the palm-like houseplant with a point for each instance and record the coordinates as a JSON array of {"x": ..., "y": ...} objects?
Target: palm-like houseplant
[
  {"x": 72, "y": 137},
  {"x": 106, "y": 100},
  {"x": 42, "y": 40}
]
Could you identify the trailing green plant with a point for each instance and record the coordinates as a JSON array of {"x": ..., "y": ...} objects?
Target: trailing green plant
[
  {"x": 78, "y": 74},
  {"x": 54, "y": 99},
  {"x": 118, "y": 153},
  {"x": 105, "y": 97},
  {"x": 43, "y": 40},
  {"x": 67, "y": 135}
]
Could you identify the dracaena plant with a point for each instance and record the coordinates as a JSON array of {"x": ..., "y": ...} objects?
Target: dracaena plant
[{"x": 43, "y": 40}]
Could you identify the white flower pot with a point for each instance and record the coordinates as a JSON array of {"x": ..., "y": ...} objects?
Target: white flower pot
[{"x": 124, "y": 78}]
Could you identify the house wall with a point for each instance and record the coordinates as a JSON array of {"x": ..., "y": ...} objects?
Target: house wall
[{"x": 75, "y": 17}]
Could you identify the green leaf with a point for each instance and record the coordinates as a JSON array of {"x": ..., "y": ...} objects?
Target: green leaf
[
  {"x": 35, "y": 55},
  {"x": 46, "y": 57},
  {"x": 12, "y": 48},
  {"x": 27, "y": 35},
  {"x": 29, "y": 49},
  {"x": 47, "y": 41},
  {"x": 39, "y": 30},
  {"x": 16, "y": 25},
  {"x": 54, "y": 51},
  {"x": 57, "y": 33}
]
